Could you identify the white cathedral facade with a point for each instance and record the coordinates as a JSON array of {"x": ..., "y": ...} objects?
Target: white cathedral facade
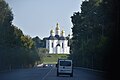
[{"x": 57, "y": 43}]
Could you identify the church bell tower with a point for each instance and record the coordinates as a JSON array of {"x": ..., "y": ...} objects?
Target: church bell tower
[{"x": 57, "y": 29}]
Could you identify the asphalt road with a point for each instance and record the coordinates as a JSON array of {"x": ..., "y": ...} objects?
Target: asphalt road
[{"x": 50, "y": 74}]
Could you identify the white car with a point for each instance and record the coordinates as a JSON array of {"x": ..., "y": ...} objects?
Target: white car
[
  {"x": 40, "y": 65},
  {"x": 64, "y": 66}
]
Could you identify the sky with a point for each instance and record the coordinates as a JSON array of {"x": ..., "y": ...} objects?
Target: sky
[{"x": 38, "y": 17}]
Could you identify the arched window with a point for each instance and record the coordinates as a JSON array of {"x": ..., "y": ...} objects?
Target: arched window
[{"x": 58, "y": 45}]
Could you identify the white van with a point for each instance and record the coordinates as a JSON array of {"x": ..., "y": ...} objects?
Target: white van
[{"x": 64, "y": 66}]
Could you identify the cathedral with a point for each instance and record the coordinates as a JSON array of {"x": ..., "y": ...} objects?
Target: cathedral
[{"x": 57, "y": 43}]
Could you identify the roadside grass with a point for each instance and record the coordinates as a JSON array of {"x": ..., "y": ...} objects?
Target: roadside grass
[{"x": 52, "y": 58}]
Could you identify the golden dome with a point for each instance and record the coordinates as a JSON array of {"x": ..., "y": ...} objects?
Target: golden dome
[
  {"x": 57, "y": 27},
  {"x": 52, "y": 31},
  {"x": 62, "y": 31}
]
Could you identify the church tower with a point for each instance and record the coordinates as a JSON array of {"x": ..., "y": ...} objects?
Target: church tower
[{"x": 57, "y": 30}]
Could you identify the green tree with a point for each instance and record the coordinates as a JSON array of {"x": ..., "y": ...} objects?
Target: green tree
[
  {"x": 6, "y": 33},
  {"x": 93, "y": 29},
  {"x": 16, "y": 49},
  {"x": 42, "y": 53}
]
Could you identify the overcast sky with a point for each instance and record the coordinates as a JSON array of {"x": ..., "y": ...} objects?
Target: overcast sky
[{"x": 38, "y": 17}]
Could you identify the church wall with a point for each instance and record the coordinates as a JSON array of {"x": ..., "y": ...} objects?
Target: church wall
[
  {"x": 47, "y": 44},
  {"x": 63, "y": 48},
  {"x": 50, "y": 48},
  {"x": 57, "y": 48},
  {"x": 66, "y": 47},
  {"x": 55, "y": 43}
]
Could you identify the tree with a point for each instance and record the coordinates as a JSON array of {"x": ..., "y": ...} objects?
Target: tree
[
  {"x": 16, "y": 49},
  {"x": 6, "y": 33},
  {"x": 93, "y": 30},
  {"x": 42, "y": 53}
]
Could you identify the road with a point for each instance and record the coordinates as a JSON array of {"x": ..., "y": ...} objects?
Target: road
[{"x": 50, "y": 74}]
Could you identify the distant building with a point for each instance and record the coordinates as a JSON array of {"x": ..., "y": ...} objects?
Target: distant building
[{"x": 57, "y": 43}]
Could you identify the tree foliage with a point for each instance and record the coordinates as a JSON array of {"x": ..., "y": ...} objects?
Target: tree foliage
[
  {"x": 16, "y": 49},
  {"x": 40, "y": 45},
  {"x": 93, "y": 29}
]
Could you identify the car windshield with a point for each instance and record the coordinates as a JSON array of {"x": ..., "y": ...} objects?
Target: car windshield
[{"x": 65, "y": 63}]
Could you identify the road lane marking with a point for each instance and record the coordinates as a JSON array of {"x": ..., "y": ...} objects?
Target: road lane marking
[{"x": 47, "y": 74}]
